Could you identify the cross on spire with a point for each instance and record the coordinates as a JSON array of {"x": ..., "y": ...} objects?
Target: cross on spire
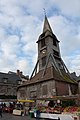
[
  {"x": 44, "y": 11},
  {"x": 46, "y": 24}
]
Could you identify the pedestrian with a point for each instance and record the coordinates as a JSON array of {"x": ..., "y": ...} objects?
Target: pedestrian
[
  {"x": 37, "y": 114},
  {"x": 0, "y": 110},
  {"x": 29, "y": 110}
]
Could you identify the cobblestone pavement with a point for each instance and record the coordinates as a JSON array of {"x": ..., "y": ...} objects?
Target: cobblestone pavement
[{"x": 7, "y": 116}]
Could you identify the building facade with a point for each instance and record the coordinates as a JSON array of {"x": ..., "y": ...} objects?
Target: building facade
[{"x": 9, "y": 83}]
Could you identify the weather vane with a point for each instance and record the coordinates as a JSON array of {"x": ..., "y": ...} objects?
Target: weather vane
[{"x": 44, "y": 11}]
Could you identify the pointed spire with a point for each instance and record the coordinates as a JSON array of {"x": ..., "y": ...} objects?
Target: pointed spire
[{"x": 46, "y": 25}]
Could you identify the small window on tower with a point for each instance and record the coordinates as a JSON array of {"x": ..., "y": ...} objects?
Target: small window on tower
[
  {"x": 43, "y": 61},
  {"x": 43, "y": 43}
]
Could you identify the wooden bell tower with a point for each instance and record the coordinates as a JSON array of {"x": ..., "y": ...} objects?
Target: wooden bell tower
[{"x": 49, "y": 52}]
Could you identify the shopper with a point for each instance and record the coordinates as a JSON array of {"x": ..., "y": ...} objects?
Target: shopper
[
  {"x": 37, "y": 114},
  {"x": 29, "y": 110}
]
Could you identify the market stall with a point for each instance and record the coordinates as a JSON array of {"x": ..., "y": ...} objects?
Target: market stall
[
  {"x": 21, "y": 108},
  {"x": 63, "y": 109},
  {"x": 18, "y": 109}
]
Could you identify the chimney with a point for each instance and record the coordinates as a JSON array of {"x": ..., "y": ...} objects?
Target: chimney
[
  {"x": 18, "y": 72},
  {"x": 21, "y": 73}
]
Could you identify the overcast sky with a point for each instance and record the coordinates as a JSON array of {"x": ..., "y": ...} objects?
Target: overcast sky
[{"x": 21, "y": 23}]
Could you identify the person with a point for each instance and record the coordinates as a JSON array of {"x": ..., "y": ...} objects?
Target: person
[
  {"x": 29, "y": 110},
  {"x": 0, "y": 110},
  {"x": 37, "y": 114}
]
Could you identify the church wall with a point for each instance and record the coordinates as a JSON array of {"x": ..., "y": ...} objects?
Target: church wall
[
  {"x": 40, "y": 90},
  {"x": 45, "y": 89},
  {"x": 62, "y": 88}
]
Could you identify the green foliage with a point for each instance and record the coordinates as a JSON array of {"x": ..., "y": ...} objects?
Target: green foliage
[
  {"x": 8, "y": 97},
  {"x": 68, "y": 103}
]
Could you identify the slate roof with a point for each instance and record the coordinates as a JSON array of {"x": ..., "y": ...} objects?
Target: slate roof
[
  {"x": 11, "y": 78},
  {"x": 50, "y": 74}
]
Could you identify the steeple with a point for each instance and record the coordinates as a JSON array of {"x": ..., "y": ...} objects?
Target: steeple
[
  {"x": 49, "y": 52},
  {"x": 46, "y": 25}
]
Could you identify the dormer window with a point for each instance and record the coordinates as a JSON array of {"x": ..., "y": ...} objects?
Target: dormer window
[
  {"x": 19, "y": 82},
  {"x": 5, "y": 80}
]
